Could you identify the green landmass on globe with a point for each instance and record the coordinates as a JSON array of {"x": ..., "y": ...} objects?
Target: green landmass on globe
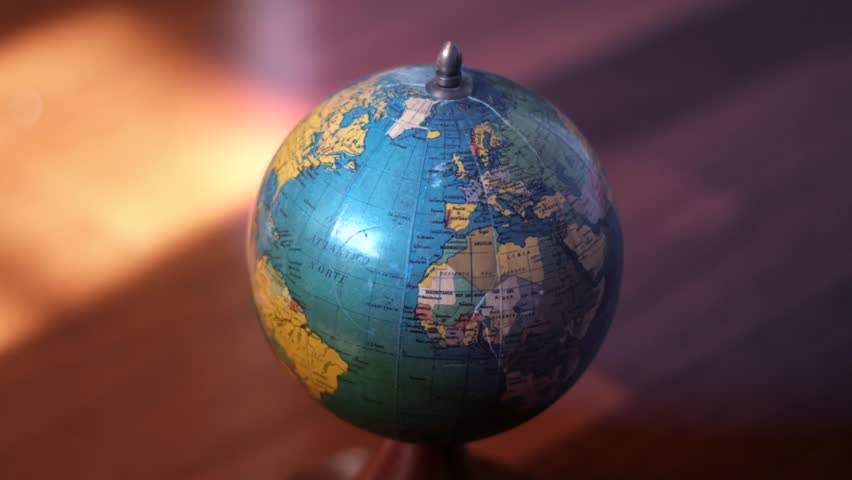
[{"x": 435, "y": 270}]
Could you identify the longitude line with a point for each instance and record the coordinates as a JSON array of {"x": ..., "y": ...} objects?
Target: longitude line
[
  {"x": 407, "y": 279},
  {"x": 499, "y": 353}
]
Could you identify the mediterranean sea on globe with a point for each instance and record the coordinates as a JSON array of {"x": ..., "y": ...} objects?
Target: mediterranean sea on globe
[{"x": 435, "y": 270}]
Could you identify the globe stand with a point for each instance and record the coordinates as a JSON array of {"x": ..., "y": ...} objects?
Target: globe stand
[
  {"x": 411, "y": 461},
  {"x": 394, "y": 460}
]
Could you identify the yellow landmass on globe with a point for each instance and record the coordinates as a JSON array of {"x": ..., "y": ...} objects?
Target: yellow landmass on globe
[
  {"x": 433, "y": 134},
  {"x": 457, "y": 216},
  {"x": 461, "y": 172},
  {"x": 471, "y": 330},
  {"x": 319, "y": 139},
  {"x": 315, "y": 363},
  {"x": 589, "y": 246},
  {"x": 505, "y": 211},
  {"x": 481, "y": 138},
  {"x": 523, "y": 261},
  {"x": 350, "y": 165},
  {"x": 499, "y": 189},
  {"x": 437, "y": 287},
  {"x": 477, "y": 263},
  {"x": 548, "y": 205}
]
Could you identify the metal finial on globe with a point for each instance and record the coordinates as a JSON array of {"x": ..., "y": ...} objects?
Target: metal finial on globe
[
  {"x": 449, "y": 81},
  {"x": 448, "y": 73}
]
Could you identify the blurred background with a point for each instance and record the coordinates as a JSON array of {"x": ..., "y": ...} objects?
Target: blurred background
[{"x": 133, "y": 136}]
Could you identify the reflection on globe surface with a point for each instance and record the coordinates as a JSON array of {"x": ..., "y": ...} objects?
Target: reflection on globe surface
[{"x": 435, "y": 270}]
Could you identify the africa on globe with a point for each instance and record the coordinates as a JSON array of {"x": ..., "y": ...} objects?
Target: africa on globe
[{"x": 435, "y": 254}]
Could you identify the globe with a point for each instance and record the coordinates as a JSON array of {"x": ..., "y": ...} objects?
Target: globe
[{"x": 435, "y": 269}]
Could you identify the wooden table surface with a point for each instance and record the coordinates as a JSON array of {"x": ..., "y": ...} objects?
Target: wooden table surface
[{"x": 133, "y": 136}]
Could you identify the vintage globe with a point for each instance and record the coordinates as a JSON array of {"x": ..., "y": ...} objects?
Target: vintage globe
[{"x": 435, "y": 264}]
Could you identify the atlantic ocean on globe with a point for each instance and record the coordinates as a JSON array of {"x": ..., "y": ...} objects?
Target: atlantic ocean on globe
[{"x": 436, "y": 257}]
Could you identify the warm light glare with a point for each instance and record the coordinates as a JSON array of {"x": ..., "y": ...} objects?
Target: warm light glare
[
  {"x": 353, "y": 234},
  {"x": 113, "y": 145}
]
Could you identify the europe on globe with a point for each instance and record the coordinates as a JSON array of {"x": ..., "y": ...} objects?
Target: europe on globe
[{"x": 436, "y": 257}]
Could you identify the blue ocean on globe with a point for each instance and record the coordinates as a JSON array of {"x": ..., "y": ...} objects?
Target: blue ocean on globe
[{"x": 435, "y": 270}]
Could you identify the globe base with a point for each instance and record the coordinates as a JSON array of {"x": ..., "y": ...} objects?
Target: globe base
[
  {"x": 410, "y": 461},
  {"x": 394, "y": 460}
]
